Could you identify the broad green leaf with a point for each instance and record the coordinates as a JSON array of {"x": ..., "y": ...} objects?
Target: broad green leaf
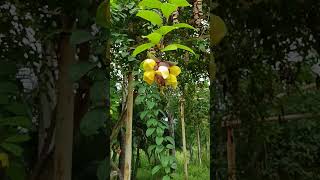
[
  {"x": 184, "y": 25},
  {"x": 12, "y": 148},
  {"x": 8, "y": 87},
  {"x": 16, "y": 171},
  {"x": 17, "y": 108},
  {"x": 159, "y": 148},
  {"x": 173, "y": 47},
  {"x": 151, "y": 16},
  {"x": 142, "y": 48},
  {"x": 164, "y": 161},
  {"x": 98, "y": 91},
  {"x": 155, "y": 169},
  {"x": 160, "y": 131},
  {"x": 80, "y": 69},
  {"x": 150, "y": 148},
  {"x": 143, "y": 115},
  {"x": 4, "y": 99},
  {"x": 150, "y": 104},
  {"x": 92, "y": 121},
  {"x": 218, "y": 29},
  {"x": 180, "y": 3},
  {"x": 103, "y": 14},
  {"x": 139, "y": 100},
  {"x": 165, "y": 29},
  {"x": 152, "y": 122},
  {"x": 170, "y": 139},
  {"x": 16, "y": 121},
  {"x": 8, "y": 68},
  {"x": 167, "y": 9},
  {"x": 166, "y": 177},
  {"x": 150, "y": 4},
  {"x": 150, "y": 131},
  {"x": 170, "y": 146},
  {"x": 18, "y": 138},
  {"x": 102, "y": 173},
  {"x": 159, "y": 140},
  {"x": 174, "y": 165},
  {"x": 154, "y": 37},
  {"x": 80, "y": 36}
]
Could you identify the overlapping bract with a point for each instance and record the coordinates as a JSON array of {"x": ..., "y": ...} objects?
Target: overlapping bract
[{"x": 164, "y": 73}]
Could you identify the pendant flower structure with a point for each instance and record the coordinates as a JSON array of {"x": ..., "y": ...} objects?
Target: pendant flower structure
[{"x": 164, "y": 73}]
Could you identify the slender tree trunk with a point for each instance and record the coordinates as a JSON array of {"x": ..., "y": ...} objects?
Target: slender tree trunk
[
  {"x": 208, "y": 148},
  {"x": 136, "y": 166},
  {"x": 184, "y": 144},
  {"x": 171, "y": 132},
  {"x": 199, "y": 146},
  {"x": 122, "y": 152},
  {"x": 128, "y": 145},
  {"x": 191, "y": 152},
  {"x": 65, "y": 108}
]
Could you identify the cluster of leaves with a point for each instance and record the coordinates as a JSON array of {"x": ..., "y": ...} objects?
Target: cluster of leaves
[
  {"x": 156, "y": 130},
  {"x": 153, "y": 15}
]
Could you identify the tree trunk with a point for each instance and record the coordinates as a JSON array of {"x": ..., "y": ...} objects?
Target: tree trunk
[
  {"x": 208, "y": 148},
  {"x": 137, "y": 164},
  {"x": 128, "y": 145},
  {"x": 184, "y": 145},
  {"x": 199, "y": 146},
  {"x": 65, "y": 107},
  {"x": 122, "y": 152}
]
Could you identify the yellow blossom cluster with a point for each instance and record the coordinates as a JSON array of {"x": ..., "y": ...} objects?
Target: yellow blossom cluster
[{"x": 164, "y": 73}]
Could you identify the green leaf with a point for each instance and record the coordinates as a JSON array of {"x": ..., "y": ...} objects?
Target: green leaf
[
  {"x": 150, "y": 148},
  {"x": 80, "y": 69},
  {"x": 139, "y": 100},
  {"x": 170, "y": 146},
  {"x": 17, "y": 108},
  {"x": 170, "y": 139},
  {"x": 184, "y": 25},
  {"x": 150, "y": 104},
  {"x": 165, "y": 29},
  {"x": 154, "y": 37},
  {"x": 80, "y": 36},
  {"x": 159, "y": 149},
  {"x": 218, "y": 29},
  {"x": 4, "y": 99},
  {"x": 16, "y": 121},
  {"x": 173, "y": 47},
  {"x": 160, "y": 131},
  {"x": 155, "y": 169},
  {"x": 151, "y": 16},
  {"x": 12, "y": 148},
  {"x": 16, "y": 171},
  {"x": 142, "y": 48},
  {"x": 98, "y": 91},
  {"x": 164, "y": 161},
  {"x": 18, "y": 138},
  {"x": 143, "y": 114},
  {"x": 102, "y": 15},
  {"x": 92, "y": 121},
  {"x": 8, "y": 68},
  {"x": 159, "y": 140},
  {"x": 167, "y": 9},
  {"x": 102, "y": 173},
  {"x": 8, "y": 87},
  {"x": 166, "y": 177},
  {"x": 150, "y": 4},
  {"x": 180, "y": 3},
  {"x": 150, "y": 131},
  {"x": 174, "y": 165}
]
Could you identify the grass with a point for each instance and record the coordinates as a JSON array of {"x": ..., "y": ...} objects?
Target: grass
[{"x": 195, "y": 171}]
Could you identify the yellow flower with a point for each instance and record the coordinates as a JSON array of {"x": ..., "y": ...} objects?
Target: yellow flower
[
  {"x": 148, "y": 64},
  {"x": 163, "y": 71},
  {"x": 172, "y": 80},
  {"x": 175, "y": 70},
  {"x": 148, "y": 76},
  {"x": 4, "y": 160}
]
